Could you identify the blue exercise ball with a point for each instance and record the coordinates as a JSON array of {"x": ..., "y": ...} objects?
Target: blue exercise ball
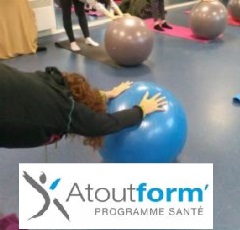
[{"x": 159, "y": 138}]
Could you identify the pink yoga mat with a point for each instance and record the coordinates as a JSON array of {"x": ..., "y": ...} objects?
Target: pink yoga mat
[
  {"x": 178, "y": 31},
  {"x": 233, "y": 22}
]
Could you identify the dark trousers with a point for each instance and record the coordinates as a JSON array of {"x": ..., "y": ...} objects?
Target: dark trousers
[
  {"x": 66, "y": 6},
  {"x": 158, "y": 9}
]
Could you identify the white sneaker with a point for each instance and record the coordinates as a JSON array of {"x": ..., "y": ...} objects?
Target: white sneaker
[
  {"x": 90, "y": 42},
  {"x": 74, "y": 46}
]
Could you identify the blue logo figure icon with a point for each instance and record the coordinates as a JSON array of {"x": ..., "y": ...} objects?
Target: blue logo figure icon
[{"x": 45, "y": 195}]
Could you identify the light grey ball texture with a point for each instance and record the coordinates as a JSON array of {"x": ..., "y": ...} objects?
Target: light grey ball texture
[
  {"x": 208, "y": 19},
  {"x": 128, "y": 41}
]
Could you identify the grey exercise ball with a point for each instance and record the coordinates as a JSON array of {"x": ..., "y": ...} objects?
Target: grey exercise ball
[
  {"x": 128, "y": 41},
  {"x": 234, "y": 9},
  {"x": 208, "y": 19}
]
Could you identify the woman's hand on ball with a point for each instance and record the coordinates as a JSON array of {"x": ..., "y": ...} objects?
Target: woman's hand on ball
[
  {"x": 153, "y": 104},
  {"x": 116, "y": 91}
]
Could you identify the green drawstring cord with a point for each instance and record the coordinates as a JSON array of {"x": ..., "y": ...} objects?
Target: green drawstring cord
[{"x": 70, "y": 114}]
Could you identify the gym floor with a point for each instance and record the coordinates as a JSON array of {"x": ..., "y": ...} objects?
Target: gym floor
[{"x": 204, "y": 77}]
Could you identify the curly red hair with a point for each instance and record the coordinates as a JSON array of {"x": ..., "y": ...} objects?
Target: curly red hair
[{"x": 82, "y": 92}]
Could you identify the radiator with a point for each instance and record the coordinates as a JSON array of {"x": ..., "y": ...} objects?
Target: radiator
[{"x": 44, "y": 14}]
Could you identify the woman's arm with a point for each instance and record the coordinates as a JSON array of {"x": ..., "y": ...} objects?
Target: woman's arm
[
  {"x": 115, "y": 7},
  {"x": 116, "y": 91},
  {"x": 89, "y": 123},
  {"x": 100, "y": 8}
]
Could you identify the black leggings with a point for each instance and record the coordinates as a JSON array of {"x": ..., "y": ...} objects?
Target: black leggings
[
  {"x": 66, "y": 6},
  {"x": 158, "y": 9}
]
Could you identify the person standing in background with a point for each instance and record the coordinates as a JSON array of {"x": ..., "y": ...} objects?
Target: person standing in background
[
  {"x": 158, "y": 13},
  {"x": 79, "y": 7}
]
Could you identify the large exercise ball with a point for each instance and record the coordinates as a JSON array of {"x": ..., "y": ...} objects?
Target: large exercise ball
[
  {"x": 234, "y": 9},
  {"x": 128, "y": 41},
  {"x": 208, "y": 19},
  {"x": 159, "y": 138}
]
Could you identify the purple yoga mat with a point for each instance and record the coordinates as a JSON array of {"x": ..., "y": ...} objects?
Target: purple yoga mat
[{"x": 9, "y": 222}]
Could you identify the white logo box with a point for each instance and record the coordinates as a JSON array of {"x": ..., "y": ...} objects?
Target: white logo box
[{"x": 116, "y": 196}]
